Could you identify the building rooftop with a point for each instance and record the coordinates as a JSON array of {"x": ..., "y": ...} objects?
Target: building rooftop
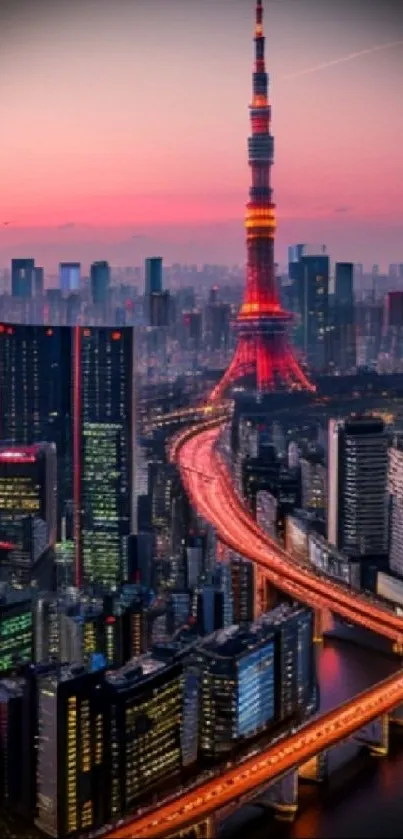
[
  {"x": 137, "y": 669},
  {"x": 234, "y": 642},
  {"x": 10, "y": 688},
  {"x": 10, "y": 596}
]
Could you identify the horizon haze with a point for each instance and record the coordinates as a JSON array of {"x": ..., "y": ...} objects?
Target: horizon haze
[{"x": 126, "y": 124}]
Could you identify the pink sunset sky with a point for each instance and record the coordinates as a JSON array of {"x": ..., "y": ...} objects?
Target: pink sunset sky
[{"x": 124, "y": 126}]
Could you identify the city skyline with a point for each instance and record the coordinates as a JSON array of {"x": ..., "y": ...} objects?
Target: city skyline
[{"x": 93, "y": 183}]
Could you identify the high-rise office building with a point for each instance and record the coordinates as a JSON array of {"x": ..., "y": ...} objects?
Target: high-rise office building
[
  {"x": 35, "y": 386},
  {"x": 158, "y": 306},
  {"x": 342, "y": 341},
  {"x": 104, "y": 445},
  {"x": 28, "y": 503},
  {"x": 357, "y": 489},
  {"x": 72, "y": 753},
  {"x": 237, "y": 687},
  {"x": 295, "y": 660},
  {"x": 75, "y": 388},
  {"x": 153, "y": 275},
  {"x": 309, "y": 272},
  {"x": 16, "y": 627},
  {"x": 81, "y": 633},
  {"x": 22, "y": 277},
  {"x": 12, "y": 746},
  {"x": 266, "y": 511},
  {"x": 314, "y": 307},
  {"x": 125, "y": 625},
  {"x": 145, "y": 700},
  {"x": 38, "y": 281},
  {"x": 100, "y": 281},
  {"x": 313, "y": 482},
  {"x": 210, "y": 611},
  {"x": 243, "y": 586},
  {"x": 395, "y": 487},
  {"x": 69, "y": 277},
  {"x": 254, "y": 677},
  {"x": 140, "y": 558},
  {"x": 218, "y": 317},
  {"x": 393, "y": 325}
]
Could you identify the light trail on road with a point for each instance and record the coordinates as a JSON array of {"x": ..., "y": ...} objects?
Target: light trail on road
[
  {"x": 274, "y": 761},
  {"x": 208, "y": 484}
]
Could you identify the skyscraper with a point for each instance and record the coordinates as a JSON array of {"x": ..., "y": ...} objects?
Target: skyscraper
[
  {"x": 69, "y": 277},
  {"x": 313, "y": 304},
  {"x": 72, "y": 754},
  {"x": 243, "y": 586},
  {"x": 22, "y": 277},
  {"x": 104, "y": 445},
  {"x": 16, "y": 629},
  {"x": 343, "y": 343},
  {"x": 100, "y": 281},
  {"x": 38, "y": 281},
  {"x": 153, "y": 275},
  {"x": 28, "y": 502},
  {"x": 145, "y": 699},
  {"x": 357, "y": 492},
  {"x": 76, "y": 388},
  {"x": 395, "y": 487},
  {"x": 35, "y": 387}
]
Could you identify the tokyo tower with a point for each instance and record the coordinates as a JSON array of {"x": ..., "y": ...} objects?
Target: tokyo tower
[{"x": 263, "y": 351}]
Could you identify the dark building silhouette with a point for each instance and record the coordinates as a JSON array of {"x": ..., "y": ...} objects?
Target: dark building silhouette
[{"x": 22, "y": 277}]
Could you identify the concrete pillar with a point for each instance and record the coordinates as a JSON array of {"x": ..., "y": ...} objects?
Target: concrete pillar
[
  {"x": 375, "y": 736},
  {"x": 207, "y": 829},
  {"x": 282, "y": 797},
  {"x": 396, "y": 716},
  {"x": 318, "y": 626},
  {"x": 315, "y": 770}
]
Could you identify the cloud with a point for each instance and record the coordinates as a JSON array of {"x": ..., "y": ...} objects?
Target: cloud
[
  {"x": 342, "y": 209},
  {"x": 344, "y": 59},
  {"x": 68, "y": 225}
]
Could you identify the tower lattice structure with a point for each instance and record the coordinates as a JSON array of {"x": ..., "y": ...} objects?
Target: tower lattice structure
[{"x": 263, "y": 350}]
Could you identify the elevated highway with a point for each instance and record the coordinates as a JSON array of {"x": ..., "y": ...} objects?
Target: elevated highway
[
  {"x": 195, "y": 805},
  {"x": 219, "y": 411},
  {"x": 210, "y": 488}
]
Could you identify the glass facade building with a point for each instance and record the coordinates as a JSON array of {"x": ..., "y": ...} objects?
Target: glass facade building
[
  {"x": 153, "y": 275},
  {"x": 358, "y": 515},
  {"x": 22, "y": 277},
  {"x": 71, "y": 752},
  {"x": 28, "y": 499},
  {"x": 75, "y": 387},
  {"x": 16, "y": 628},
  {"x": 255, "y": 677},
  {"x": 100, "y": 281},
  {"x": 69, "y": 277},
  {"x": 104, "y": 445},
  {"x": 256, "y": 695},
  {"x": 145, "y": 700}
]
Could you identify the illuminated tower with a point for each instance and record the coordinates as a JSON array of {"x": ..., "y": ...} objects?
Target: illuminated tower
[{"x": 263, "y": 350}]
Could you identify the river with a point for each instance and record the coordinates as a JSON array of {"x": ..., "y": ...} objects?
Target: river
[
  {"x": 363, "y": 797},
  {"x": 362, "y": 800}
]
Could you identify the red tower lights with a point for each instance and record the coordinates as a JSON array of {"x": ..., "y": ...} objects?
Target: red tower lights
[{"x": 263, "y": 349}]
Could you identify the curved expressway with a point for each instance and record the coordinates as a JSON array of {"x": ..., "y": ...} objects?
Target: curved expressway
[
  {"x": 209, "y": 485},
  {"x": 273, "y": 762}
]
